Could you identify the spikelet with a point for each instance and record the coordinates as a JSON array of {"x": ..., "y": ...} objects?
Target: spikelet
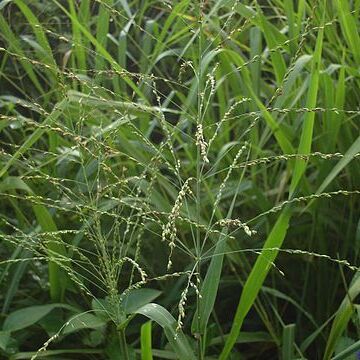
[
  {"x": 169, "y": 230},
  {"x": 183, "y": 67},
  {"x": 237, "y": 223},
  {"x": 231, "y": 168},
  {"x": 183, "y": 299},
  {"x": 226, "y": 118},
  {"x": 142, "y": 273},
  {"x": 200, "y": 141}
]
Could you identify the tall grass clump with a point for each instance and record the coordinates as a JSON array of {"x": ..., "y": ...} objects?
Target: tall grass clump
[{"x": 179, "y": 179}]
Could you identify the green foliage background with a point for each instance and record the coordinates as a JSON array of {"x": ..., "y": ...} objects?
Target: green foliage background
[{"x": 179, "y": 179}]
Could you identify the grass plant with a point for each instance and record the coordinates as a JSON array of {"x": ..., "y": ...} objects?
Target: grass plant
[{"x": 179, "y": 179}]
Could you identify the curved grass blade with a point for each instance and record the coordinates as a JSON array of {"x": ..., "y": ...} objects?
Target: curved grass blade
[
  {"x": 14, "y": 45},
  {"x": 347, "y": 352},
  {"x": 175, "y": 336},
  {"x": 256, "y": 278},
  {"x": 102, "y": 51},
  {"x": 342, "y": 318}
]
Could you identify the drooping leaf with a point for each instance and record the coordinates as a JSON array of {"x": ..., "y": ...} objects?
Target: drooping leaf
[
  {"x": 83, "y": 321},
  {"x": 175, "y": 336},
  {"x": 20, "y": 319}
]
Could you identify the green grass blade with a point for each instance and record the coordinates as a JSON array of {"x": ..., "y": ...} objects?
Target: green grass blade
[
  {"x": 57, "y": 277},
  {"x": 146, "y": 45},
  {"x": 342, "y": 317},
  {"x": 101, "y": 50},
  {"x": 173, "y": 17},
  {"x": 16, "y": 276},
  {"x": 20, "y": 319},
  {"x": 274, "y": 37},
  {"x": 288, "y": 339},
  {"x": 211, "y": 282},
  {"x": 14, "y": 45},
  {"x": 79, "y": 46},
  {"x": 175, "y": 337},
  {"x": 58, "y": 109},
  {"x": 349, "y": 155},
  {"x": 277, "y": 129},
  {"x": 308, "y": 125},
  {"x": 345, "y": 354},
  {"x": 209, "y": 288},
  {"x": 39, "y": 33},
  {"x": 337, "y": 119},
  {"x": 146, "y": 348},
  {"x": 256, "y": 278},
  {"x": 102, "y": 29},
  {"x": 290, "y": 14},
  {"x": 349, "y": 27},
  {"x": 127, "y": 107}
]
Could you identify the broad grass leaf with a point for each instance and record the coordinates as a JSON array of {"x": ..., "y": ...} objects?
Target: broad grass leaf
[
  {"x": 4, "y": 339},
  {"x": 176, "y": 338},
  {"x": 83, "y": 321},
  {"x": 137, "y": 298},
  {"x": 28, "y": 316}
]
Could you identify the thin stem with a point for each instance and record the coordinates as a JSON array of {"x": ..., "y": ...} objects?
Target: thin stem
[
  {"x": 198, "y": 179},
  {"x": 123, "y": 345}
]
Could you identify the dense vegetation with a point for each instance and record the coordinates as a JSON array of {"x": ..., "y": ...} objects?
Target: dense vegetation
[{"x": 179, "y": 179}]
